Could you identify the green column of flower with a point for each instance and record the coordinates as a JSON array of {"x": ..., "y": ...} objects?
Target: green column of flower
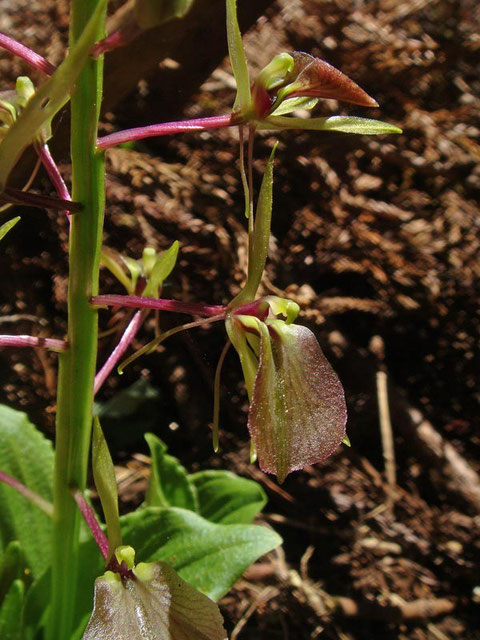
[{"x": 77, "y": 365}]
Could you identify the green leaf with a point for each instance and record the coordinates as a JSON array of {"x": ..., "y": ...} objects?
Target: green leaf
[
  {"x": 49, "y": 98},
  {"x": 297, "y": 416},
  {"x": 26, "y": 455},
  {"x": 155, "y": 603},
  {"x": 209, "y": 556},
  {"x": 106, "y": 484},
  {"x": 169, "y": 484},
  {"x": 11, "y": 612},
  {"x": 163, "y": 267},
  {"x": 238, "y": 59},
  {"x": 6, "y": 226},
  {"x": 12, "y": 566},
  {"x": 153, "y": 13},
  {"x": 225, "y": 498},
  {"x": 343, "y": 124}
]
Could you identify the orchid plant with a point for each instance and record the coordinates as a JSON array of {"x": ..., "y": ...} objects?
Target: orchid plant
[{"x": 189, "y": 532}]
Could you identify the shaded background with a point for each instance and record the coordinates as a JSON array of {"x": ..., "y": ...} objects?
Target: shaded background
[{"x": 378, "y": 241}]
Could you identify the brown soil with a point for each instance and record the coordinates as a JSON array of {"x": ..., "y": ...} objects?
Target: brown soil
[{"x": 375, "y": 238}]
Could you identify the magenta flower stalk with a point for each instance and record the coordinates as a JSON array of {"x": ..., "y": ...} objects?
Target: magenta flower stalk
[
  {"x": 33, "y": 497},
  {"x": 137, "y": 302},
  {"x": 126, "y": 339},
  {"x": 166, "y": 129},
  {"x": 32, "y": 341},
  {"x": 35, "y": 60},
  {"x": 53, "y": 172},
  {"x": 17, "y": 196},
  {"x": 92, "y": 522}
]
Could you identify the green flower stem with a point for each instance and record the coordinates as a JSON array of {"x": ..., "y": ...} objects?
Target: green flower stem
[{"x": 77, "y": 365}]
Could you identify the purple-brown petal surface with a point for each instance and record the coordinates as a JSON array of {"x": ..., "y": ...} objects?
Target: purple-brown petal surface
[
  {"x": 154, "y": 604},
  {"x": 298, "y": 413},
  {"x": 316, "y": 78}
]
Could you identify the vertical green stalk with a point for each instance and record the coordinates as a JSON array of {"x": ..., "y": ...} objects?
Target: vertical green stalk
[{"x": 77, "y": 365}]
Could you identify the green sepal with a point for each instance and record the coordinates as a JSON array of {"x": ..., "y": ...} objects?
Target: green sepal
[
  {"x": 283, "y": 307},
  {"x": 109, "y": 259},
  {"x": 274, "y": 74},
  {"x": 238, "y": 60},
  {"x": 49, "y": 98},
  {"x": 153, "y": 13},
  {"x": 160, "y": 271},
  {"x": 169, "y": 484},
  {"x": 239, "y": 340},
  {"x": 106, "y": 484},
  {"x": 261, "y": 235},
  {"x": 346, "y": 441},
  {"x": 343, "y": 124},
  {"x": 6, "y": 226}
]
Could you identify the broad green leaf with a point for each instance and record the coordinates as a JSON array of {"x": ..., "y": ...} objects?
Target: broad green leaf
[
  {"x": 293, "y": 104},
  {"x": 11, "y": 612},
  {"x": 6, "y": 226},
  {"x": 225, "y": 498},
  {"x": 238, "y": 59},
  {"x": 12, "y": 566},
  {"x": 344, "y": 124},
  {"x": 155, "y": 603},
  {"x": 106, "y": 484},
  {"x": 49, "y": 98},
  {"x": 209, "y": 556},
  {"x": 163, "y": 267},
  {"x": 297, "y": 416},
  {"x": 169, "y": 484},
  {"x": 153, "y": 13},
  {"x": 26, "y": 455}
]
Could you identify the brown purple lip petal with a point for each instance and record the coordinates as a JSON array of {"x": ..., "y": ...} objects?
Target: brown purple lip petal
[
  {"x": 316, "y": 78},
  {"x": 297, "y": 416}
]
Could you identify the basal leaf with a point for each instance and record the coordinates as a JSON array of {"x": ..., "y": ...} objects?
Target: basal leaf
[
  {"x": 49, "y": 98},
  {"x": 343, "y": 124},
  {"x": 26, "y": 455},
  {"x": 169, "y": 484},
  {"x": 12, "y": 565},
  {"x": 153, "y": 603},
  {"x": 297, "y": 416},
  {"x": 106, "y": 484},
  {"x": 238, "y": 59},
  {"x": 11, "y": 612},
  {"x": 226, "y": 498},
  {"x": 6, "y": 226}
]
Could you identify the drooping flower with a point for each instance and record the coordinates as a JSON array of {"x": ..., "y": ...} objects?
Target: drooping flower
[{"x": 297, "y": 412}]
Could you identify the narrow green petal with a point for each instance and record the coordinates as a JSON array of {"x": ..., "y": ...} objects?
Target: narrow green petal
[
  {"x": 162, "y": 269},
  {"x": 6, "y": 226},
  {"x": 238, "y": 59},
  {"x": 50, "y": 98},
  {"x": 297, "y": 416},
  {"x": 292, "y": 104},
  {"x": 106, "y": 484},
  {"x": 344, "y": 124},
  {"x": 248, "y": 360}
]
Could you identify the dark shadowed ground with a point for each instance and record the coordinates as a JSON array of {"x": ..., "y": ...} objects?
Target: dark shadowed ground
[{"x": 378, "y": 241}]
